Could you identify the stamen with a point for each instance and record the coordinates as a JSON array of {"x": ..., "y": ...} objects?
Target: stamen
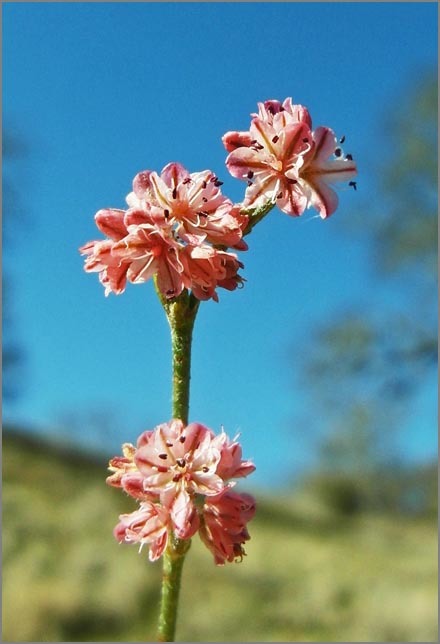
[
  {"x": 182, "y": 439},
  {"x": 166, "y": 213},
  {"x": 305, "y": 139},
  {"x": 169, "y": 444},
  {"x": 250, "y": 183},
  {"x": 275, "y": 138},
  {"x": 204, "y": 185},
  {"x": 250, "y": 174},
  {"x": 349, "y": 157},
  {"x": 218, "y": 183},
  {"x": 353, "y": 184},
  {"x": 205, "y": 469},
  {"x": 204, "y": 199},
  {"x": 187, "y": 180},
  {"x": 163, "y": 456},
  {"x": 338, "y": 152},
  {"x": 181, "y": 462},
  {"x": 342, "y": 139},
  {"x": 291, "y": 181},
  {"x": 175, "y": 193}
]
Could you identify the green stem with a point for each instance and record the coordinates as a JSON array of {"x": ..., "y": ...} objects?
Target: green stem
[{"x": 181, "y": 313}]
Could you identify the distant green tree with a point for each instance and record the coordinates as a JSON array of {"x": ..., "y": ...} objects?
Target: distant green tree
[{"x": 13, "y": 149}]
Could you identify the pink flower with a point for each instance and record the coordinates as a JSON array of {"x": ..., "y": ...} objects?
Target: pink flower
[
  {"x": 271, "y": 164},
  {"x": 318, "y": 171},
  {"x": 166, "y": 233},
  {"x": 147, "y": 525},
  {"x": 180, "y": 458},
  {"x": 231, "y": 465},
  {"x": 223, "y": 527},
  {"x": 178, "y": 469},
  {"x": 206, "y": 268},
  {"x": 285, "y": 162},
  {"x": 192, "y": 201}
]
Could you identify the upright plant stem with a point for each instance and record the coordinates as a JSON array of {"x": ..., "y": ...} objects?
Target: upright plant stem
[{"x": 181, "y": 314}]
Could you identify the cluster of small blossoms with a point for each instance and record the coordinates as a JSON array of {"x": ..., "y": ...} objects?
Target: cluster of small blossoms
[
  {"x": 176, "y": 227},
  {"x": 285, "y": 161},
  {"x": 182, "y": 477}
]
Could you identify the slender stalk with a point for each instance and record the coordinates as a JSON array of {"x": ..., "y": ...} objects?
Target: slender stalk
[{"x": 181, "y": 313}]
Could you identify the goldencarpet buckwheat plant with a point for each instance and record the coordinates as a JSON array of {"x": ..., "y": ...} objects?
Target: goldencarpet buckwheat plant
[{"x": 182, "y": 232}]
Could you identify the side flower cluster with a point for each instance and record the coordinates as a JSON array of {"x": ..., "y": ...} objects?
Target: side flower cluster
[
  {"x": 182, "y": 477},
  {"x": 285, "y": 161},
  {"x": 176, "y": 227}
]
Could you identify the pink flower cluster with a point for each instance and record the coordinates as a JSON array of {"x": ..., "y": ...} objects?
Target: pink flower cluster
[
  {"x": 173, "y": 228},
  {"x": 284, "y": 160},
  {"x": 182, "y": 477}
]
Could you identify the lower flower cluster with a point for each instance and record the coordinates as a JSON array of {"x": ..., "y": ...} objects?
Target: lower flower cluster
[{"x": 182, "y": 477}]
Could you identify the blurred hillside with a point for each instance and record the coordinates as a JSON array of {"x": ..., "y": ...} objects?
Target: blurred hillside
[{"x": 314, "y": 572}]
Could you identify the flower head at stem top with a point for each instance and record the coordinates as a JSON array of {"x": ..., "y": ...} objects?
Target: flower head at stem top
[
  {"x": 284, "y": 161},
  {"x": 177, "y": 228}
]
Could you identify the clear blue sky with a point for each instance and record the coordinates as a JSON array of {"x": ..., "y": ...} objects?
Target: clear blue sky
[{"x": 101, "y": 91}]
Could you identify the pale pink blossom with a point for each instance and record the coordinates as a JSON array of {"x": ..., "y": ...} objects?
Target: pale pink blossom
[
  {"x": 170, "y": 243},
  {"x": 320, "y": 169},
  {"x": 231, "y": 465},
  {"x": 174, "y": 471},
  {"x": 180, "y": 458},
  {"x": 270, "y": 165},
  {"x": 206, "y": 268},
  {"x": 280, "y": 114},
  {"x": 147, "y": 525},
  {"x": 193, "y": 202},
  {"x": 287, "y": 163},
  {"x": 223, "y": 528}
]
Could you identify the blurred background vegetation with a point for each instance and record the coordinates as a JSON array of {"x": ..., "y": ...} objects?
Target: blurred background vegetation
[{"x": 347, "y": 554}]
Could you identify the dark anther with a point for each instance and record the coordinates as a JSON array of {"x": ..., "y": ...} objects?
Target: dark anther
[
  {"x": 279, "y": 195},
  {"x": 353, "y": 184},
  {"x": 163, "y": 456},
  {"x": 338, "y": 152},
  {"x": 205, "y": 469},
  {"x": 168, "y": 444},
  {"x": 187, "y": 180},
  {"x": 204, "y": 185},
  {"x": 181, "y": 462},
  {"x": 170, "y": 292},
  {"x": 175, "y": 193},
  {"x": 202, "y": 213},
  {"x": 305, "y": 140},
  {"x": 162, "y": 469},
  {"x": 204, "y": 199},
  {"x": 166, "y": 213},
  {"x": 250, "y": 183},
  {"x": 176, "y": 478},
  {"x": 275, "y": 138},
  {"x": 292, "y": 181},
  {"x": 342, "y": 139},
  {"x": 213, "y": 179},
  {"x": 218, "y": 183},
  {"x": 250, "y": 174},
  {"x": 349, "y": 157},
  {"x": 182, "y": 439}
]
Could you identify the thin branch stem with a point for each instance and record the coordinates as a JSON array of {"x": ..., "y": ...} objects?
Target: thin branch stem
[{"x": 181, "y": 313}]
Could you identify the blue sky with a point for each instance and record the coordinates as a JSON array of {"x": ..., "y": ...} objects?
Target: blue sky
[{"x": 100, "y": 91}]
